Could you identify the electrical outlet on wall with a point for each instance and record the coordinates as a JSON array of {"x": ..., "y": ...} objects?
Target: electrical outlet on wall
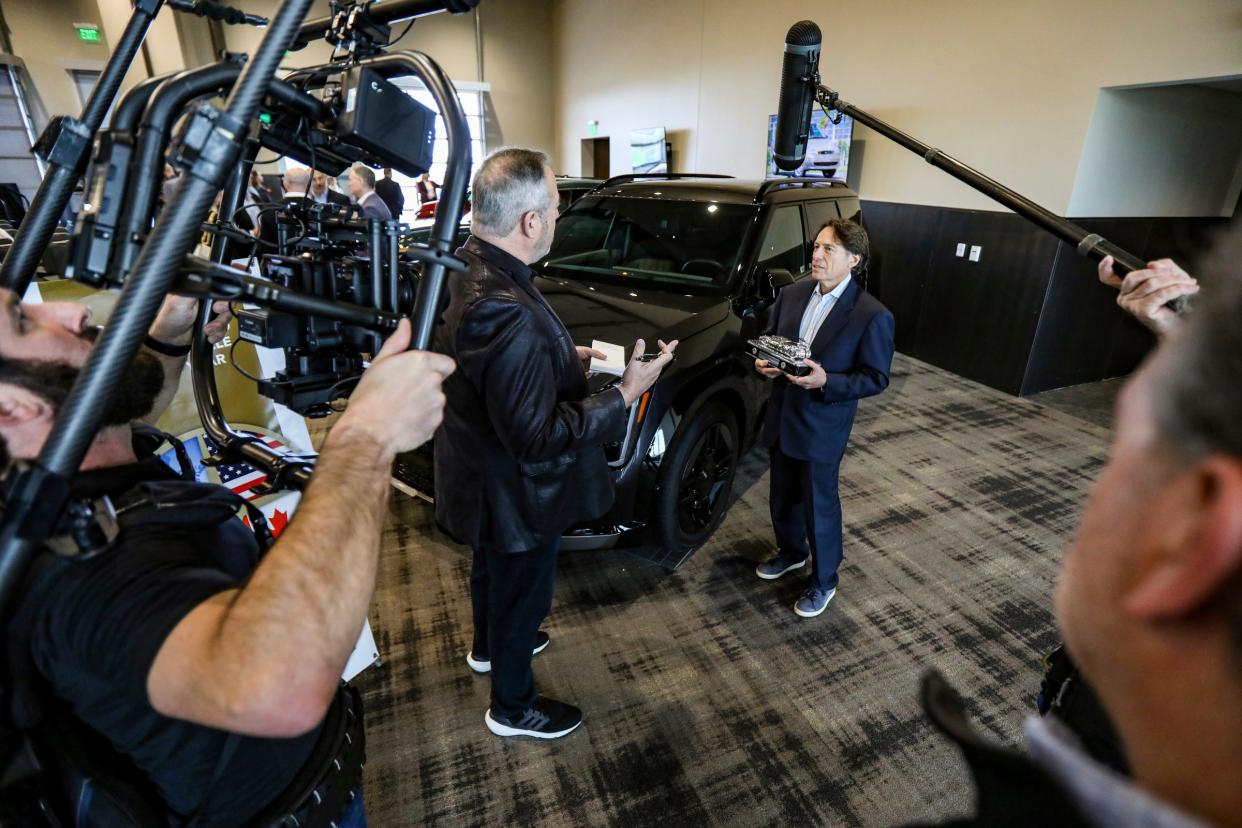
[
  {"x": 975, "y": 252},
  {"x": 961, "y": 249}
]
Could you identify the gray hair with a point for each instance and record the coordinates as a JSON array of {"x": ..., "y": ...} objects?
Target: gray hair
[
  {"x": 1197, "y": 404},
  {"x": 1197, "y": 397},
  {"x": 509, "y": 183},
  {"x": 365, "y": 173},
  {"x": 297, "y": 178}
]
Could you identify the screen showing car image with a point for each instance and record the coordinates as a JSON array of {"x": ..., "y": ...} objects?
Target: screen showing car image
[
  {"x": 648, "y": 152},
  {"x": 827, "y": 148}
]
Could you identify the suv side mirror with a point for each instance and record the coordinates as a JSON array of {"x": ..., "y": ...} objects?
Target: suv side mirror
[
  {"x": 771, "y": 282},
  {"x": 779, "y": 278},
  {"x": 765, "y": 284}
]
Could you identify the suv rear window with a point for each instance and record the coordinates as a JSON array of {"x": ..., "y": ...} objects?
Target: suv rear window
[{"x": 692, "y": 245}]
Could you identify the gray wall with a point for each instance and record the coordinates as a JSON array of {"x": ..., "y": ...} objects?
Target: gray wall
[
  {"x": 1161, "y": 151},
  {"x": 1007, "y": 86}
]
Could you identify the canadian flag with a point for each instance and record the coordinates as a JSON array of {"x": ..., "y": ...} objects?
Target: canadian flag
[{"x": 278, "y": 511}]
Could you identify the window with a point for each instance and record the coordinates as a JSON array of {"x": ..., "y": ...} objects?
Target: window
[
  {"x": 17, "y": 162},
  {"x": 692, "y": 245},
  {"x": 784, "y": 245},
  {"x": 472, "y": 106}
]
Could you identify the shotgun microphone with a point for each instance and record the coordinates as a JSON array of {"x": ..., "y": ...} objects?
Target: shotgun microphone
[{"x": 798, "y": 78}]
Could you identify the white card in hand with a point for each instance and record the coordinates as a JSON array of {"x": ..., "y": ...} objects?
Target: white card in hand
[{"x": 613, "y": 363}]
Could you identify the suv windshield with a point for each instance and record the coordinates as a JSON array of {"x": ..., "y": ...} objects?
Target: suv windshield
[{"x": 693, "y": 245}]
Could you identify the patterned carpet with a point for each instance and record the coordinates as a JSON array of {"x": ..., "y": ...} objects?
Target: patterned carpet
[{"x": 707, "y": 701}]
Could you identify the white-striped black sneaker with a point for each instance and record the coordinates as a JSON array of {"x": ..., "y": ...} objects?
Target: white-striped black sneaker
[
  {"x": 545, "y": 719},
  {"x": 484, "y": 665}
]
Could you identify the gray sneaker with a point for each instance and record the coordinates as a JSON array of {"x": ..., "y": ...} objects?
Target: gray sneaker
[
  {"x": 813, "y": 601},
  {"x": 772, "y": 569}
]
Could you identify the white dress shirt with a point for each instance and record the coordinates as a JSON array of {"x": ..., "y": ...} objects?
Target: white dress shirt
[{"x": 817, "y": 309}]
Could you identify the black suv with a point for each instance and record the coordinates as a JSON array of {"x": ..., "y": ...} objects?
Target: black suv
[{"x": 693, "y": 258}]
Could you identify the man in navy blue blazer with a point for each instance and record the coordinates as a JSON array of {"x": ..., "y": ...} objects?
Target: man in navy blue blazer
[{"x": 809, "y": 418}]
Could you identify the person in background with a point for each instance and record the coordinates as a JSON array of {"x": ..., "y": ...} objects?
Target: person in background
[
  {"x": 257, "y": 197},
  {"x": 390, "y": 192},
  {"x": 362, "y": 188},
  {"x": 428, "y": 190},
  {"x": 321, "y": 192},
  {"x": 170, "y": 181}
]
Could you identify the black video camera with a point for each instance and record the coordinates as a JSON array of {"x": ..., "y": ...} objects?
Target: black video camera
[{"x": 339, "y": 260}]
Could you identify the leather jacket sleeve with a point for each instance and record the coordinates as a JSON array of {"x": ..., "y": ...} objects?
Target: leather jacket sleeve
[{"x": 505, "y": 354}]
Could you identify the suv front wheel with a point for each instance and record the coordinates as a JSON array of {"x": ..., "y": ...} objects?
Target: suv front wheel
[{"x": 696, "y": 479}]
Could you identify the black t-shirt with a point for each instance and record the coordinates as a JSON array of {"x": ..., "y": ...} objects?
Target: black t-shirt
[{"x": 100, "y": 623}]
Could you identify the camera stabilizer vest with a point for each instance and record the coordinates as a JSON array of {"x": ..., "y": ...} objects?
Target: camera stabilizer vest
[{"x": 51, "y": 761}]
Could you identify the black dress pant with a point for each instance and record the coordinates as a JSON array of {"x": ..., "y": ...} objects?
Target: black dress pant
[
  {"x": 511, "y": 593},
  {"x": 806, "y": 514}
]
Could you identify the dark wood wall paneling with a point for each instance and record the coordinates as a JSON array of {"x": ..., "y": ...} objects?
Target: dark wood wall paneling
[
  {"x": 1031, "y": 315},
  {"x": 1082, "y": 337}
]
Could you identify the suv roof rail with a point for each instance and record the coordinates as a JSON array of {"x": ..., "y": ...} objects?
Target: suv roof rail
[
  {"x": 627, "y": 177},
  {"x": 781, "y": 183}
]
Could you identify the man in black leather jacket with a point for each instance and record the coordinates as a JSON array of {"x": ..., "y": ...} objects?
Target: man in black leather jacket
[{"x": 520, "y": 456}]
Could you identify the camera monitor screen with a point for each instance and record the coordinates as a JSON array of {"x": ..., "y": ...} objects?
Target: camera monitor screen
[
  {"x": 648, "y": 151},
  {"x": 827, "y": 148}
]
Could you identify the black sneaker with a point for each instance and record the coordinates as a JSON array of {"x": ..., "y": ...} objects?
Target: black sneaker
[
  {"x": 546, "y": 719},
  {"x": 484, "y": 665}
]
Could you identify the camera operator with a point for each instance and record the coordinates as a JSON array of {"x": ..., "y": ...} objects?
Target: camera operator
[
  {"x": 520, "y": 458},
  {"x": 1150, "y": 593},
  {"x": 207, "y": 662}
]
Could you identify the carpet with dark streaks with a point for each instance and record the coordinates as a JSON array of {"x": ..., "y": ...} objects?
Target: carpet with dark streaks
[{"x": 707, "y": 701}]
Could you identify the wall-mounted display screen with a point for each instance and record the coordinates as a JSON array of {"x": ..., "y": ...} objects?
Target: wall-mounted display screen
[
  {"x": 827, "y": 148},
  {"x": 648, "y": 150}
]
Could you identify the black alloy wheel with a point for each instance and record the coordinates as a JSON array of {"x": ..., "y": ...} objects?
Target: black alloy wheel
[{"x": 696, "y": 479}]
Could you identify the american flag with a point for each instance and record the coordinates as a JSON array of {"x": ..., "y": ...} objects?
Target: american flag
[{"x": 242, "y": 478}]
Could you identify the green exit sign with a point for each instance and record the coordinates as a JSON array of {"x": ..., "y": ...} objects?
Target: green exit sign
[{"x": 90, "y": 35}]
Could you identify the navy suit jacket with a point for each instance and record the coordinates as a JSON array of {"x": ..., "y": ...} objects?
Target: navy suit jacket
[{"x": 855, "y": 347}]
